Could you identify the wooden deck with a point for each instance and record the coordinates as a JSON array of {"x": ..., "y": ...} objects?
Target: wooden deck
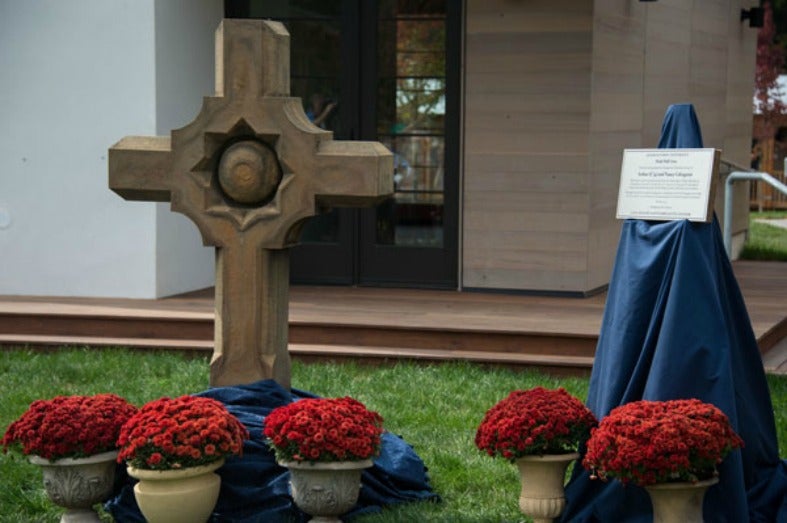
[{"x": 555, "y": 333}]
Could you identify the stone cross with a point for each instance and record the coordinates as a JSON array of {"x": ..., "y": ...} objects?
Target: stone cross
[{"x": 249, "y": 171}]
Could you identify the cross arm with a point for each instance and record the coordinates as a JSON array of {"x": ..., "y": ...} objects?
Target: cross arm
[
  {"x": 139, "y": 168},
  {"x": 353, "y": 173}
]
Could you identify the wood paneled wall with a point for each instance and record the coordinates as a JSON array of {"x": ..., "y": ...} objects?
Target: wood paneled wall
[
  {"x": 527, "y": 118},
  {"x": 554, "y": 91}
]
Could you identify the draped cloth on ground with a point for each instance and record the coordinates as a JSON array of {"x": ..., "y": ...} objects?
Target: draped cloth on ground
[
  {"x": 254, "y": 489},
  {"x": 675, "y": 326}
]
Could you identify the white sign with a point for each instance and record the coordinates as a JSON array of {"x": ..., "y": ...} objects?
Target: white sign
[{"x": 668, "y": 184}]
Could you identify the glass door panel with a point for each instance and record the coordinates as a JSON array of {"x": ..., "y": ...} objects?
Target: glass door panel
[
  {"x": 411, "y": 80},
  {"x": 386, "y": 71},
  {"x": 320, "y": 72},
  {"x": 316, "y": 80},
  {"x": 407, "y": 233}
]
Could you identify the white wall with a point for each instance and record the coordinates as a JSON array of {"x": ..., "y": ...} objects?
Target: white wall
[
  {"x": 184, "y": 74},
  {"x": 76, "y": 77}
]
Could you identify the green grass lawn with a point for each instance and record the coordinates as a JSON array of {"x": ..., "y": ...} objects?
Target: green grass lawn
[
  {"x": 435, "y": 408},
  {"x": 765, "y": 242}
]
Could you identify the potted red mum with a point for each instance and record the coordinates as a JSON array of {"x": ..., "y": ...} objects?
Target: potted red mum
[
  {"x": 540, "y": 430},
  {"x": 173, "y": 446},
  {"x": 76, "y": 434},
  {"x": 664, "y": 446},
  {"x": 325, "y": 443}
]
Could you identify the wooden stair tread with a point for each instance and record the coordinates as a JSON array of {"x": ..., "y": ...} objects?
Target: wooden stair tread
[
  {"x": 381, "y": 323},
  {"x": 443, "y": 355},
  {"x": 104, "y": 341},
  {"x": 300, "y": 349},
  {"x": 23, "y": 308}
]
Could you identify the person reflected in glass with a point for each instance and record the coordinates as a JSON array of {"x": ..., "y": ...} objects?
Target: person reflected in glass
[{"x": 321, "y": 109}]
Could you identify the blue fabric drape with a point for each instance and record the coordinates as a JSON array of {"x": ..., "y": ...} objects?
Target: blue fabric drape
[
  {"x": 254, "y": 489},
  {"x": 675, "y": 326}
]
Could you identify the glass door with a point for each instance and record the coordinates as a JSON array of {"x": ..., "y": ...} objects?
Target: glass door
[
  {"x": 411, "y": 238},
  {"x": 323, "y": 69},
  {"x": 379, "y": 71}
]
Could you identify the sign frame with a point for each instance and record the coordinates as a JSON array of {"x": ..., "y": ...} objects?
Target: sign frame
[{"x": 668, "y": 184}]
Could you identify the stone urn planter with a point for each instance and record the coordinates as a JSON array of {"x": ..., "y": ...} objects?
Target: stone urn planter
[
  {"x": 326, "y": 490},
  {"x": 77, "y": 484},
  {"x": 173, "y": 447},
  {"x": 678, "y": 502},
  {"x": 664, "y": 447},
  {"x": 186, "y": 495},
  {"x": 540, "y": 430},
  {"x": 325, "y": 443},
  {"x": 73, "y": 439},
  {"x": 543, "y": 477}
]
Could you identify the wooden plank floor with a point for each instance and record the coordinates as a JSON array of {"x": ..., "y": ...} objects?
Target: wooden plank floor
[{"x": 412, "y": 315}]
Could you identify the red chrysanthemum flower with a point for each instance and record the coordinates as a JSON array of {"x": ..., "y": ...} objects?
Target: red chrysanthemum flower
[
  {"x": 647, "y": 442},
  {"x": 534, "y": 422},
  {"x": 340, "y": 429},
  {"x": 69, "y": 426},
  {"x": 182, "y": 432}
]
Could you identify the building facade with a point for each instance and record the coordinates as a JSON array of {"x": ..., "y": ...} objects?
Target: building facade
[{"x": 507, "y": 120}]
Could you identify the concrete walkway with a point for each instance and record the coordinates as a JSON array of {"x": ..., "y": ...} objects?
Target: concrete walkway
[{"x": 782, "y": 223}]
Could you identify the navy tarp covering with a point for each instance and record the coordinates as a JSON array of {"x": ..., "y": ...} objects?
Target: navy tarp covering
[
  {"x": 675, "y": 326},
  {"x": 254, "y": 489}
]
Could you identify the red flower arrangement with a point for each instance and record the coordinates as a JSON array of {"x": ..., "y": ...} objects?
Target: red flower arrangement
[
  {"x": 324, "y": 429},
  {"x": 647, "y": 442},
  {"x": 534, "y": 422},
  {"x": 182, "y": 432},
  {"x": 69, "y": 426}
]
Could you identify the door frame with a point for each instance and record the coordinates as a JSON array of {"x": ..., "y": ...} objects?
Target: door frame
[{"x": 356, "y": 258}]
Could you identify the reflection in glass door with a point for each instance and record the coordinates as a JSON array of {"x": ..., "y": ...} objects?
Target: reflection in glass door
[
  {"x": 411, "y": 122},
  {"x": 385, "y": 71},
  {"x": 322, "y": 65},
  {"x": 411, "y": 238}
]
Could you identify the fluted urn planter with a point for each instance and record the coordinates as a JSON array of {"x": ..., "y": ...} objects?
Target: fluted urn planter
[
  {"x": 678, "y": 502},
  {"x": 186, "y": 495},
  {"x": 543, "y": 478},
  {"x": 326, "y": 490},
  {"x": 77, "y": 484}
]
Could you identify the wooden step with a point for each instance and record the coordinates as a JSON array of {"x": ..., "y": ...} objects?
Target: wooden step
[
  {"x": 375, "y": 324},
  {"x": 36, "y": 340},
  {"x": 573, "y": 364},
  {"x": 310, "y": 342},
  {"x": 312, "y": 336},
  {"x": 68, "y": 320},
  {"x": 321, "y": 352}
]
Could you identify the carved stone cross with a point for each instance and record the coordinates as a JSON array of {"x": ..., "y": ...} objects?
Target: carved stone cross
[{"x": 249, "y": 171}]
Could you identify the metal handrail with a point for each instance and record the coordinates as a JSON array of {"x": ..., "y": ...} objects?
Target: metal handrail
[{"x": 728, "y": 194}]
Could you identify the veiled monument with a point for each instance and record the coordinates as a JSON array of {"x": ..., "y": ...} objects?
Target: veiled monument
[{"x": 249, "y": 171}]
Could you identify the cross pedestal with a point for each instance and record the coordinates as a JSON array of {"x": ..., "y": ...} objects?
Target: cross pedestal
[{"x": 249, "y": 171}]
